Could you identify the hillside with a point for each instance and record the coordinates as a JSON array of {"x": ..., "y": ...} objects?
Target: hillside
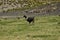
[
  {"x": 52, "y": 8},
  {"x": 8, "y": 5}
]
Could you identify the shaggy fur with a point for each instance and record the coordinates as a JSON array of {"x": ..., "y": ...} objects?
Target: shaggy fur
[{"x": 29, "y": 19}]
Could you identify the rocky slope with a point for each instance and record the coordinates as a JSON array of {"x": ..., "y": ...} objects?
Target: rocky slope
[
  {"x": 6, "y": 5},
  {"x": 46, "y": 9}
]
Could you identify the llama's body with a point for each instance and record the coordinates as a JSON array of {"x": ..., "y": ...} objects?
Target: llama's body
[{"x": 29, "y": 19}]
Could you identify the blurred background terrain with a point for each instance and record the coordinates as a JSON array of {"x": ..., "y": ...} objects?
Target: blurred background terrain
[{"x": 29, "y": 7}]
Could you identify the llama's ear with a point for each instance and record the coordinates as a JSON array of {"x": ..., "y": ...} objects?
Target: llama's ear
[{"x": 25, "y": 16}]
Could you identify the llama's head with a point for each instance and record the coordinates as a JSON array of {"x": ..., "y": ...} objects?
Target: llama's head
[{"x": 25, "y": 16}]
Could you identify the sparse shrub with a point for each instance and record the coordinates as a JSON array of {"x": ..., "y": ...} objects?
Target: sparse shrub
[
  {"x": 3, "y": 11},
  {"x": 35, "y": 36},
  {"x": 28, "y": 35},
  {"x": 0, "y": 19},
  {"x": 26, "y": 11},
  {"x": 58, "y": 15},
  {"x": 1, "y": 3},
  {"x": 5, "y": 18},
  {"x": 18, "y": 17},
  {"x": 58, "y": 23}
]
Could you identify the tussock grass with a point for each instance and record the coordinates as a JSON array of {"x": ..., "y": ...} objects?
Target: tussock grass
[
  {"x": 58, "y": 23},
  {"x": 35, "y": 36}
]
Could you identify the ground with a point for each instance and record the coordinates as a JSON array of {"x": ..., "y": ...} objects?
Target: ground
[{"x": 44, "y": 28}]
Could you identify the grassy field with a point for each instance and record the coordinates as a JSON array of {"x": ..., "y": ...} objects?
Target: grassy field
[{"x": 44, "y": 28}]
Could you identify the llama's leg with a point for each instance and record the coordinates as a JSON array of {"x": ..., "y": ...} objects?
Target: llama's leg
[
  {"x": 29, "y": 22},
  {"x": 33, "y": 20}
]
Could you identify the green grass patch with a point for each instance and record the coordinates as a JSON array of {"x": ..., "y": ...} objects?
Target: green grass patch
[{"x": 45, "y": 27}]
